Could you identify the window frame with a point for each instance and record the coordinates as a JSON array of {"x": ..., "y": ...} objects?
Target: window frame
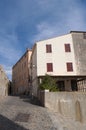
[
  {"x": 48, "y": 48},
  {"x": 69, "y": 66},
  {"x": 67, "y": 47},
  {"x": 49, "y": 67}
]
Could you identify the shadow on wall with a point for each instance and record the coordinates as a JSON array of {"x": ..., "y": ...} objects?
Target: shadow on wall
[
  {"x": 68, "y": 104},
  {"x": 6, "y": 124},
  {"x": 30, "y": 99},
  {"x": 10, "y": 88}
]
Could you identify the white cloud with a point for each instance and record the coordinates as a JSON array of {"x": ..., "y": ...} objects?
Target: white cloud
[
  {"x": 75, "y": 19},
  {"x": 66, "y": 16},
  {"x": 45, "y": 31},
  {"x": 9, "y": 52},
  {"x": 50, "y": 18},
  {"x": 8, "y": 48},
  {"x": 8, "y": 70}
]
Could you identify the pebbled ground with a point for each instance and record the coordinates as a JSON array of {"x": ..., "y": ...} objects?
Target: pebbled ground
[
  {"x": 21, "y": 113},
  {"x": 18, "y": 113}
]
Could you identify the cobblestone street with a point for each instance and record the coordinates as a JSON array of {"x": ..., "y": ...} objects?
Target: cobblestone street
[
  {"x": 20, "y": 113},
  {"x": 17, "y": 113}
]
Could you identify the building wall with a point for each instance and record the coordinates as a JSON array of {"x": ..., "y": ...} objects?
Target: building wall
[
  {"x": 4, "y": 82},
  {"x": 70, "y": 105},
  {"x": 79, "y": 44},
  {"x": 68, "y": 85},
  {"x": 58, "y": 57},
  {"x": 33, "y": 71},
  {"x": 20, "y": 74}
]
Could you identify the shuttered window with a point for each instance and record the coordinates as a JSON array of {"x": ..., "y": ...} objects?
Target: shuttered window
[
  {"x": 67, "y": 48},
  {"x": 48, "y": 48},
  {"x": 49, "y": 67},
  {"x": 69, "y": 66}
]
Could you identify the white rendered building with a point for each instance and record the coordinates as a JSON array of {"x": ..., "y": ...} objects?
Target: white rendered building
[{"x": 63, "y": 57}]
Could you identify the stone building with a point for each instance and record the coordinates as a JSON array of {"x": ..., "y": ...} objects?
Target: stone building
[
  {"x": 4, "y": 82},
  {"x": 20, "y": 74},
  {"x": 63, "y": 58}
]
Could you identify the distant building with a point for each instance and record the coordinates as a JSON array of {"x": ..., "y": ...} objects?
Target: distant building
[
  {"x": 20, "y": 74},
  {"x": 64, "y": 58},
  {"x": 4, "y": 82}
]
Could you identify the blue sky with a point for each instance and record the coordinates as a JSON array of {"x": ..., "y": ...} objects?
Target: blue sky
[{"x": 23, "y": 22}]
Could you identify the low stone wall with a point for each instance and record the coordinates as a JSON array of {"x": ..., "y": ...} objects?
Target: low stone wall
[{"x": 69, "y": 104}]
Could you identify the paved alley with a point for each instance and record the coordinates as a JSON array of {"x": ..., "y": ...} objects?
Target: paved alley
[{"x": 17, "y": 113}]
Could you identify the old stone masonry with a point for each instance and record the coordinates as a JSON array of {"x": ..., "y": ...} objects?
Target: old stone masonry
[{"x": 4, "y": 82}]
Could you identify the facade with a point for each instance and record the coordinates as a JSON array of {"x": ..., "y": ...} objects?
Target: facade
[
  {"x": 61, "y": 57},
  {"x": 20, "y": 74},
  {"x": 4, "y": 82}
]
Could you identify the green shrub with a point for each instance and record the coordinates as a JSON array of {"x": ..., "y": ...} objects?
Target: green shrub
[{"x": 48, "y": 83}]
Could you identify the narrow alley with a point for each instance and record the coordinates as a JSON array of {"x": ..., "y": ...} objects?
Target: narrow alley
[{"x": 18, "y": 113}]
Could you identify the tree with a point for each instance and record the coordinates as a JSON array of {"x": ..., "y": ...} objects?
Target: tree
[{"x": 48, "y": 83}]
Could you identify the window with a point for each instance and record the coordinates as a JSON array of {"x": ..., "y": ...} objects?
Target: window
[
  {"x": 49, "y": 67},
  {"x": 69, "y": 66},
  {"x": 67, "y": 48},
  {"x": 48, "y": 48}
]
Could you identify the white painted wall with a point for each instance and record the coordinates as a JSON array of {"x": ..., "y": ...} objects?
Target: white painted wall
[
  {"x": 58, "y": 56},
  {"x": 33, "y": 71},
  {"x": 34, "y": 64}
]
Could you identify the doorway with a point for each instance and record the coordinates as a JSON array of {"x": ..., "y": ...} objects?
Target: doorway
[
  {"x": 74, "y": 85},
  {"x": 60, "y": 85}
]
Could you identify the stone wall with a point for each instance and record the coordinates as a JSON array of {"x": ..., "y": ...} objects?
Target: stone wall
[
  {"x": 4, "y": 82},
  {"x": 79, "y": 44},
  {"x": 68, "y": 104}
]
